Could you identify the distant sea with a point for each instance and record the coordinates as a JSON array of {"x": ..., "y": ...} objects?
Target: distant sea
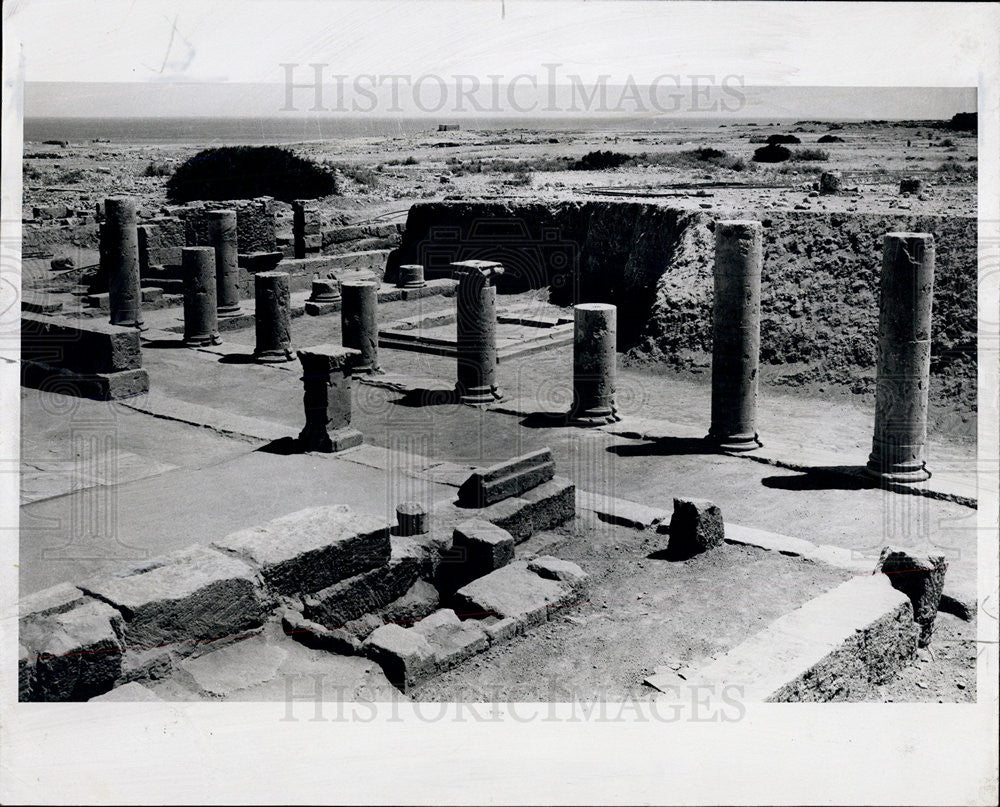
[{"x": 202, "y": 131}]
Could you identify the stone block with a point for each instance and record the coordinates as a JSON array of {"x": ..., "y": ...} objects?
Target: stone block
[
  {"x": 191, "y": 595},
  {"x": 695, "y": 527},
  {"x": 550, "y": 504},
  {"x": 555, "y": 569},
  {"x": 70, "y": 651},
  {"x": 482, "y": 547},
  {"x": 921, "y": 578},
  {"x": 91, "y": 347},
  {"x": 513, "y": 515},
  {"x": 405, "y": 655},
  {"x": 309, "y": 550},
  {"x": 368, "y": 592},
  {"x": 500, "y": 630},
  {"x": 514, "y": 592},
  {"x": 504, "y": 480},
  {"x": 97, "y": 386},
  {"x": 319, "y": 637},
  {"x": 452, "y": 640}
]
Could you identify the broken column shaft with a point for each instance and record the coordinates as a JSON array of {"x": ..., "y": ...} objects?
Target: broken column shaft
[
  {"x": 120, "y": 261},
  {"x": 904, "y": 358},
  {"x": 326, "y": 381},
  {"x": 201, "y": 322},
  {"x": 411, "y": 276},
  {"x": 272, "y": 315},
  {"x": 222, "y": 236},
  {"x": 476, "y": 300},
  {"x": 739, "y": 256},
  {"x": 594, "y": 364},
  {"x": 359, "y": 322}
]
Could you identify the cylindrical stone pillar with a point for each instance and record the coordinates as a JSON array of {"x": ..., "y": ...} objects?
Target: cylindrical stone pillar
[
  {"x": 326, "y": 381},
  {"x": 904, "y": 358},
  {"x": 594, "y": 364},
  {"x": 739, "y": 256},
  {"x": 411, "y": 276},
  {"x": 476, "y": 300},
  {"x": 272, "y": 316},
  {"x": 222, "y": 236},
  {"x": 359, "y": 322},
  {"x": 201, "y": 322},
  {"x": 412, "y": 519},
  {"x": 120, "y": 249}
]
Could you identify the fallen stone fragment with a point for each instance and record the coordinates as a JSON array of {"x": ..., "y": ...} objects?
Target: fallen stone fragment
[
  {"x": 480, "y": 547},
  {"x": 312, "y": 549},
  {"x": 695, "y": 527},
  {"x": 555, "y": 569},
  {"x": 919, "y": 577},
  {"x": 406, "y": 656},
  {"x": 451, "y": 639}
]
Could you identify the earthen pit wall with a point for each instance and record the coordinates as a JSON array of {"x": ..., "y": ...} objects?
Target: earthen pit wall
[{"x": 820, "y": 276}]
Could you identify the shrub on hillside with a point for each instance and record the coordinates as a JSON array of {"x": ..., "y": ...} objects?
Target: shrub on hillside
[
  {"x": 601, "y": 160},
  {"x": 771, "y": 154},
  {"x": 830, "y": 139},
  {"x": 246, "y": 172},
  {"x": 157, "y": 168},
  {"x": 775, "y": 139},
  {"x": 810, "y": 155}
]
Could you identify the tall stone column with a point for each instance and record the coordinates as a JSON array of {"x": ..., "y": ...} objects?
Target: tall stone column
[
  {"x": 120, "y": 250},
  {"x": 201, "y": 322},
  {"x": 904, "y": 358},
  {"x": 359, "y": 321},
  {"x": 222, "y": 236},
  {"x": 476, "y": 298},
  {"x": 594, "y": 364},
  {"x": 326, "y": 380},
  {"x": 739, "y": 256},
  {"x": 272, "y": 315}
]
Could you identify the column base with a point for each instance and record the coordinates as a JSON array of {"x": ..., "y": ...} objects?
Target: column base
[
  {"x": 735, "y": 442},
  {"x": 601, "y": 416},
  {"x": 230, "y": 311},
  {"x": 479, "y": 396},
  {"x": 273, "y": 356},
  {"x": 421, "y": 285},
  {"x": 319, "y": 439},
  {"x": 899, "y": 472},
  {"x": 202, "y": 340}
]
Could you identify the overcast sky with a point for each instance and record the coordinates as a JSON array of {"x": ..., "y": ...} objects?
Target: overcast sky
[{"x": 247, "y": 41}]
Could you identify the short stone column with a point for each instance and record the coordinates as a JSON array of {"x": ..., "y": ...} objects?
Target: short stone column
[
  {"x": 476, "y": 300},
  {"x": 272, "y": 315},
  {"x": 359, "y": 322},
  {"x": 201, "y": 321},
  {"x": 307, "y": 233},
  {"x": 325, "y": 296},
  {"x": 412, "y": 518},
  {"x": 904, "y": 358},
  {"x": 326, "y": 380},
  {"x": 222, "y": 236},
  {"x": 411, "y": 276},
  {"x": 594, "y": 364},
  {"x": 739, "y": 256},
  {"x": 120, "y": 259}
]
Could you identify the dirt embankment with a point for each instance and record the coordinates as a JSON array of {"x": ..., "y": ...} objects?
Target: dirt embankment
[{"x": 820, "y": 284}]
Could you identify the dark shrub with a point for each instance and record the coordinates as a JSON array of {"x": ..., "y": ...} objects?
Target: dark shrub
[
  {"x": 830, "y": 139},
  {"x": 782, "y": 138},
  {"x": 600, "y": 160},
  {"x": 771, "y": 154},
  {"x": 157, "y": 168},
  {"x": 246, "y": 172},
  {"x": 964, "y": 122}
]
